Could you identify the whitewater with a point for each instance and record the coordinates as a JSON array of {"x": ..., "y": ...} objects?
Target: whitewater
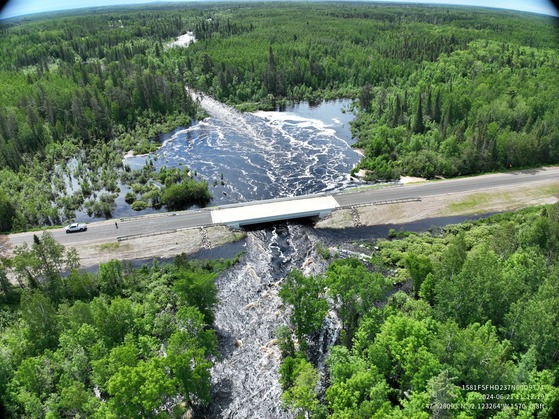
[{"x": 263, "y": 155}]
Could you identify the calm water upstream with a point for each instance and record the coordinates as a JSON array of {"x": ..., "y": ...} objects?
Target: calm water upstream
[{"x": 304, "y": 149}]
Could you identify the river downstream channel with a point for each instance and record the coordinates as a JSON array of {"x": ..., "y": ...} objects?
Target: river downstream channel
[{"x": 254, "y": 156}]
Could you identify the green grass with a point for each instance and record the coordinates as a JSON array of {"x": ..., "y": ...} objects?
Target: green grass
[
  {"x": 551, "y": 190},
  {"x": 471, "y": 202},
  {"x": 477, "y": 201}
]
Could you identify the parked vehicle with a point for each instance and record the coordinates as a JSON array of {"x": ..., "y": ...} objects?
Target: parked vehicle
[{"x": 74, "y": 227}]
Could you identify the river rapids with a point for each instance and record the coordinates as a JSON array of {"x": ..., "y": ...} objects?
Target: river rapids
[
  {"x": 263, "y": 155},
  {"x": 245, "y": 378}
]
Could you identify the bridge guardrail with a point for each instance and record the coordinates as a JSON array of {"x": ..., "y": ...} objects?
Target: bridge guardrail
[
  {"x": 159, "y": 233},
  {"x": 165, "y": 214},
  {"x": 383, "y": 202},
  {"x": 397, "y": 201}
]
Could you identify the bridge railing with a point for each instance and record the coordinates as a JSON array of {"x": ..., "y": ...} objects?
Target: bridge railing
[
  {"x": 383, "y": 202},
  {"x": 160, "y": 233}
]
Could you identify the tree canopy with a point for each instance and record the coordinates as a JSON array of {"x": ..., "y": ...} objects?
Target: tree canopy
[
  {"x": 452, "y": 323},
  {"x": 121, "y": 342}
]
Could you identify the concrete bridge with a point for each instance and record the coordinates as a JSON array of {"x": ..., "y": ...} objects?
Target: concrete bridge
[{"x": 239, "y": 215}]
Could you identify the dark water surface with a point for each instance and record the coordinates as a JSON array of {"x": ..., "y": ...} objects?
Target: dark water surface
[
  {"x": 298, "y": 150},
  {"x": 259, "y": 156},
  {"x": 252, "y": 156}
]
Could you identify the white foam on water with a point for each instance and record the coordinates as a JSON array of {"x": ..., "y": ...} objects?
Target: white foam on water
[
  {"x": 288, "y": 118},
  {"x": 184, "y": 40},
  {"x": 261, "y": 155}
]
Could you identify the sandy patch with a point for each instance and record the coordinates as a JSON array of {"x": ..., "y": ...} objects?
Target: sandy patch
[
  {"x": 411, "y": 179},
  {"x": 339, "y": 218},
  {"x": 360, "y": 151},
  {"x": 361, "y": 174},
  {"x": 157, "y": 246}
]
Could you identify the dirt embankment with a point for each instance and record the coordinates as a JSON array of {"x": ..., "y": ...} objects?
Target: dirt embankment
[
  {"x": 491, "y": 200},
  {"x": 157, "y": 246}
]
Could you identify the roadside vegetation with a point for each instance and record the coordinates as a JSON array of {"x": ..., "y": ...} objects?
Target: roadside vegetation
[
  {"x": 460, "y": 322},
  {"x": 440, "y": 91},
  {"x": 121, "y": 342}
]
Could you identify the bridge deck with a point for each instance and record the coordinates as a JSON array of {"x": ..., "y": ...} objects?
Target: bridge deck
[{"x": 273, "y": 210}]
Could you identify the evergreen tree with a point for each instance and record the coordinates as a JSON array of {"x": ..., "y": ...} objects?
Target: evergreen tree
[
  {"x": 397, "y": 112},
  {"x": 436, "y": 113},
  {"x": 7, "y": 213},
  {"x": 418, "y": 125},
  {"x": 429, "y": 105},
  {"x": 366, "y": 97}
]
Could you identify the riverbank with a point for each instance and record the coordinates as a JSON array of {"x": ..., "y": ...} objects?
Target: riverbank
[{"x": 199, "y": 242}]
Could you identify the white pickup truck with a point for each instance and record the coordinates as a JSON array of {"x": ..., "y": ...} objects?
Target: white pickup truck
[{"x": 76, "y": 227}]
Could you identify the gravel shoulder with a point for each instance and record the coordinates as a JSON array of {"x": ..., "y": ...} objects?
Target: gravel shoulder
[
  {"x": 158, "y": 246},
  {"x": 490, "y": 200}
]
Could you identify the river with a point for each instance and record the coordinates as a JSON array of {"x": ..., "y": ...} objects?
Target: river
[
  {"x": 304, "y": 149},
  {"x": 301, "y": 150},
  {"x": 245, "y": 378}
]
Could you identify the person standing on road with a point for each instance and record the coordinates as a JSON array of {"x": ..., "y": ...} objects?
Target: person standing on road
[{"x": 116, "y": 225}]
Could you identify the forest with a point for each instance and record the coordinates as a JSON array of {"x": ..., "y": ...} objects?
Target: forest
[
  {"x": 460, "y": 323},
  {"x": 439, "y": 91},
  {"x": 121, "y": 342},
  {"x": 78, "y": 93}
]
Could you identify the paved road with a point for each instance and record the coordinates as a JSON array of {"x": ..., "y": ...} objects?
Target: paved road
[
  {"x": 105, "y": 231},
  {"x": 479, "y": 183}
]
